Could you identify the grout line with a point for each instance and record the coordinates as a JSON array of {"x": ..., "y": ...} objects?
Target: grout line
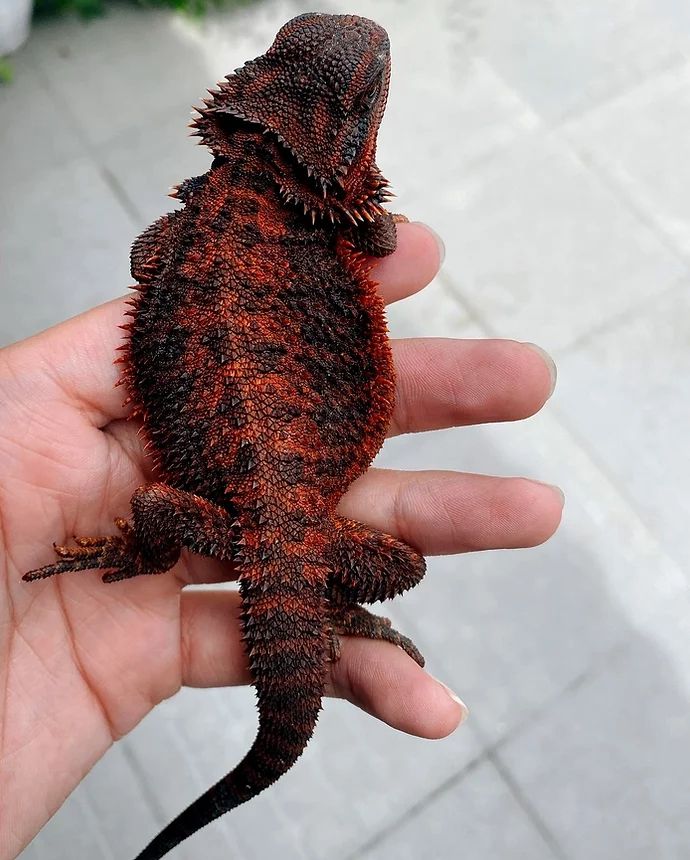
[
  {"x": 619, "y": 319},
  {"x": 607, "y": 179},
  {"x": 491, "y": 753},
  {"x": 473, "y": 315},
  {"x": 609, "y": 324},
  {"x": 119, "y": 193},
  {"x": 637, "y": 80},
  {"x": 619, "y": 488},
  {"x": 100, "y": 837},
  {"x": 151, "y": 798},
  {"x": 154, "y": 119},
  {"x": 416, "y": 809},
  {"x": 599, "y": 663},
  {"x": 530, "y": 812},
  {"x": 675, "y": 61},
  {"x": 90, "y": 150},
  {"x": 619, "y": 193}
]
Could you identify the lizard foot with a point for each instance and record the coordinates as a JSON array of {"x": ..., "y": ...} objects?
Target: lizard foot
[
  {"x": 93, "y": 553},
  {"x": 357, "y": 621}
]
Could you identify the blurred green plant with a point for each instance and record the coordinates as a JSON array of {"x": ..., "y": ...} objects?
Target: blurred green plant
[
  {"x": 6, "y": 71},
  {"x": 83, "y": 8},
  {"x": 93, "y": 8}
]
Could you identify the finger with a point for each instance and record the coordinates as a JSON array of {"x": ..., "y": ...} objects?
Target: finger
[
  {"x": 382, "y": 680},
  {"x": 213, "y": 653},
  {"x": 449, "y": 383},
  {"x": 438, "y": 512},
  {"x": 73, "y": 363},
  {"x": 412, "y": 265},
  {"x": 76, "y": 357},
  {"x": 441, "y": 513},
  {"x": 443, "y": 382},
  {"x": 375, "y": 676}
]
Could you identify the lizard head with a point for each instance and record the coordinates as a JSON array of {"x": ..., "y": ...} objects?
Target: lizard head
[{"x": 321, "y": 90}]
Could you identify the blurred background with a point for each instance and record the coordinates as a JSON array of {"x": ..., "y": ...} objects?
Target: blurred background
[{"x": 547, "y": 141}]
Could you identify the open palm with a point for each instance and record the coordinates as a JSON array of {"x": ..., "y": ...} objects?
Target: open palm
[{"x": 81, "y": 662}]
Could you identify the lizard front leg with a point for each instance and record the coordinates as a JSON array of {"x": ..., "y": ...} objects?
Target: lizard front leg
[
  {"x": 163, "y": 521},
  {"x": 376, "y": 238}
]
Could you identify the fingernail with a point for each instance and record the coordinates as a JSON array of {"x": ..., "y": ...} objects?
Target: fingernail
[
  {"x": 455, "y": 698},
  {"x": 560, "y": 493},
  {"x": 548, "y": 361},
  {"x": 556, "y": 489},
  {"x": 439, "y": 241}
]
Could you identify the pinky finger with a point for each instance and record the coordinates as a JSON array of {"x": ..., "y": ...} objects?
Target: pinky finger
[{"x": 383, "y": 681}]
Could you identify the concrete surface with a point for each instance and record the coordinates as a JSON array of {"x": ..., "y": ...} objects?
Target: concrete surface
[{"x": 547, "y": 141}]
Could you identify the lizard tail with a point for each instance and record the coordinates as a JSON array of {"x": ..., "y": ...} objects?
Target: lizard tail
[{"x": 285, "y": 635}]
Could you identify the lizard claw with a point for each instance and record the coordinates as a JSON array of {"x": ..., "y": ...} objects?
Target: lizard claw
[
  {"x": 123, "y": 525},
  {"x": 84, "y": 542},
  {"x": 334, "y": 647}
]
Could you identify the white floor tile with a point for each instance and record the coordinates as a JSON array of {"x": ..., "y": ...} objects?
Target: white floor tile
[
  {"x": 148, "y": 160},
  {"x": 64, "y": 247},
  {"x": 356, "y": 776},
  {"x": 89, "y": 824},
  {"x": 478, "y": 817},
  {"x": 563, "y": 56},
  {"x": 434, "y": 312},
  {"x": 118, "y": 71},
  {"x": 35, "y": 134},
  {"x": 626, "y": 393},
  {"x": 542, "y": 249},
  {"x": 607, "y": 767},
  {"x": 638, "y": 142}
]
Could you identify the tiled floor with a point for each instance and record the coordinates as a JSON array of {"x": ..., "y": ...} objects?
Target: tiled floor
[{"x": 547, "y": 141}]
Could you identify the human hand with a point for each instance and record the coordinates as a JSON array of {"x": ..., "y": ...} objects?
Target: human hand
[{"x": 82, "y": 663}]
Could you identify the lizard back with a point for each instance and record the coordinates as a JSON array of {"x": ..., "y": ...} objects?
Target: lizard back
[{"x": 258, "y": 353}]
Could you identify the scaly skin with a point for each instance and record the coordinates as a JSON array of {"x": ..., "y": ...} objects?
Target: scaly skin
[{"x": 258, "y": 359}]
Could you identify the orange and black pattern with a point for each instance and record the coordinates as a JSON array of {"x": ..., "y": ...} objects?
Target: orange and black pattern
[{"x": 258, "y": 361}]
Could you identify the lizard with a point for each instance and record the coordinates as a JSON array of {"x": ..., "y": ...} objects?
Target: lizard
[{"x": 257, "y": 359}]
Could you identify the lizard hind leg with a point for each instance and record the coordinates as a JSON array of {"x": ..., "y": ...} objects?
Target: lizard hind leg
[
  {"x": 357, "y": 621},
  {"x": 163, "y": 521},
  {"x": 369, "y": 565}
]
